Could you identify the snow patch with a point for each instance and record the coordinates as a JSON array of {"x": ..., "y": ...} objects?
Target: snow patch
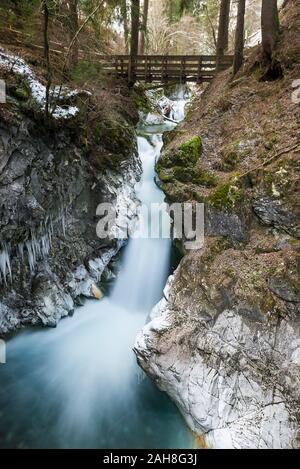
[{"x": 38, "y": 90}]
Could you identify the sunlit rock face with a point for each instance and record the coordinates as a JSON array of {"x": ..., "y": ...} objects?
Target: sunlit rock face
[{"x": 226, "y": 348}]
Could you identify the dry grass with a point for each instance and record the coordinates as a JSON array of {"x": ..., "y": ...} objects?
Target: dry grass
[{"x": 245, "y": 111}]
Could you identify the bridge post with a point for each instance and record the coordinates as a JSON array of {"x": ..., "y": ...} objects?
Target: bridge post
[
  {"x": 199, "y": 70},
  {"x": 164, "y": 74},
  {"x": 183, "y": 70}
]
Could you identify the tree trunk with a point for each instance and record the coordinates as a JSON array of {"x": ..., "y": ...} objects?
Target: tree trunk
[
  {"x": 45, "y": 9},
  {"x": 144, "y": 27},
  {"x": 269, "y": 28},
  {"x": 239, "y": 37},
  {"x": 134, "y": 43},
  {"x": 124, "y": 14},
  {"x": 226, "y": 36},
  {"x": 73, "y": 28},
  {"x": 222, "y": 42}
]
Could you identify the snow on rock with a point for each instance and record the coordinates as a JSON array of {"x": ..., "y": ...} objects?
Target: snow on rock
[{"x": 38, "y": 90}]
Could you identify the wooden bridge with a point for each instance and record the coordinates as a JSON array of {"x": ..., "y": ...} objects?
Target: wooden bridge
[{"x": 165, "y": 68}]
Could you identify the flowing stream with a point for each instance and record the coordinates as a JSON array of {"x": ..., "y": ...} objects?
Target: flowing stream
[{"x": 79, "y": 385}]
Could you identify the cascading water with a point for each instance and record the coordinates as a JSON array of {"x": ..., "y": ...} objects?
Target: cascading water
[{"x": 79, "y": 385}]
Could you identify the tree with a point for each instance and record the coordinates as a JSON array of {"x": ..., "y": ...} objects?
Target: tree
[
  {"x": 134, "y": 42},
  {"x": 124, "y": 15},
  {"x": 222, "y": 42},
  {"x": 73, "y": 28},
  {"x": 46, "y": 14},
  {"x": 226, "y": 34},
  {"x": 269, "y": 28},
  {"x": 239, "y": 37},
  {"x": 144, "y": 27},
  {"x": 208, "y": 13}
]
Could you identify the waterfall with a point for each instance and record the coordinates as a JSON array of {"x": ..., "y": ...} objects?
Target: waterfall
[
  {"x": 82, "y": 379},
  {"x": 146, "y": 261}
]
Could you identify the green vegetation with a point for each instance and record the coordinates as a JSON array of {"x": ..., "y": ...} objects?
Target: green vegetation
[
  {"x": 185, "y": 156},
  {"x": 226, "y": 196},
  {"x": 206, "y": 179},
  {"x": 86, "y": 72},
  {"x": 189, "y": 152},
  {"x": 175, "y": 191}
]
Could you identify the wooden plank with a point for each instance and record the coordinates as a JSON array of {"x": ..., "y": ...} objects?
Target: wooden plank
[
  {"x": 168, "y": 57},
  {"x": 165, "y": 68}
]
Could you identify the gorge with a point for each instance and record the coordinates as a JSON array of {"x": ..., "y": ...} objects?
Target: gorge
[
  {"x": 144, "y": 342},
  {"x": 78, "y": 385}
]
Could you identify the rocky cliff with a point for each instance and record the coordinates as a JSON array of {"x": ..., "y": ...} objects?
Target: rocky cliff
[
  {"x": 53, "y": 175},
  {"x": 224, "y": 341}
]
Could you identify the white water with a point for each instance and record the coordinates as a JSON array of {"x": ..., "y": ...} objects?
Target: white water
[{"x": 79, "y": 385}]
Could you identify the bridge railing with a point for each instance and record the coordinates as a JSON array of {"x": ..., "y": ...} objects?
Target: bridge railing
[{"x": 162, "y": 68}]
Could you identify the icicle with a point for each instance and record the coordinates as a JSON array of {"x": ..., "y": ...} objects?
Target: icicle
[
  {"x": 63, "y": 222},
  {"x": 5, "y": 267},
  {"x": 33, "y": 249},
  {"x": 31, "y": 255}
]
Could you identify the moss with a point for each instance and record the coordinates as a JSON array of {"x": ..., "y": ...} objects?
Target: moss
[
  {"x": 191, "y": 150},
  {"x": 185, "y": 156},
  {"x": 176, "y": 192},
  {"x": 198, "y": 197},
  {"x": 268, "y": 303},
  {"x": 21, "y": 93},
  {"x": 114, "y": 134},
  {"x": 226, "y": 196},
  {"x": 206, "y": 179},
  {"x": 166, "y": 176},
  {"x": 184, "y": 174},
  {"x": 188, "y": 175},
  {"x": 170, "y": 135}
]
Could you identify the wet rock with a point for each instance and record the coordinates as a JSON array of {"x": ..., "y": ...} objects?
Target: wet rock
[
  {"x": 275, "y": 213},
  {"x": 284, "y": 289},
  {"x": 234, "y": 224}
]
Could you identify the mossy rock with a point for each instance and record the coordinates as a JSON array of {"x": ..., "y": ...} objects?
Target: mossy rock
[
  {"x": 191, "y": 151},
  {"x": 198, "y": 197},
  {"x": 186, "y": 155},
  {"x": 184, "y": 174},
  {"x": 226, "y": 196},
  {"x": 176, "y": 192},
  {"x": 206, "y": 179},
  {"x": 115, "y": 135},
  {"x": 22, "y": 93},
  {"x": 166, "y": 176},
  {"x": 187, "y": 175}
]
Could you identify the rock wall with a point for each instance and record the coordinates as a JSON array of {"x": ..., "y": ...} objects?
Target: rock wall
[
  {"x": 52, "y": 178},
  {"x": 230, "y": 363}
]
